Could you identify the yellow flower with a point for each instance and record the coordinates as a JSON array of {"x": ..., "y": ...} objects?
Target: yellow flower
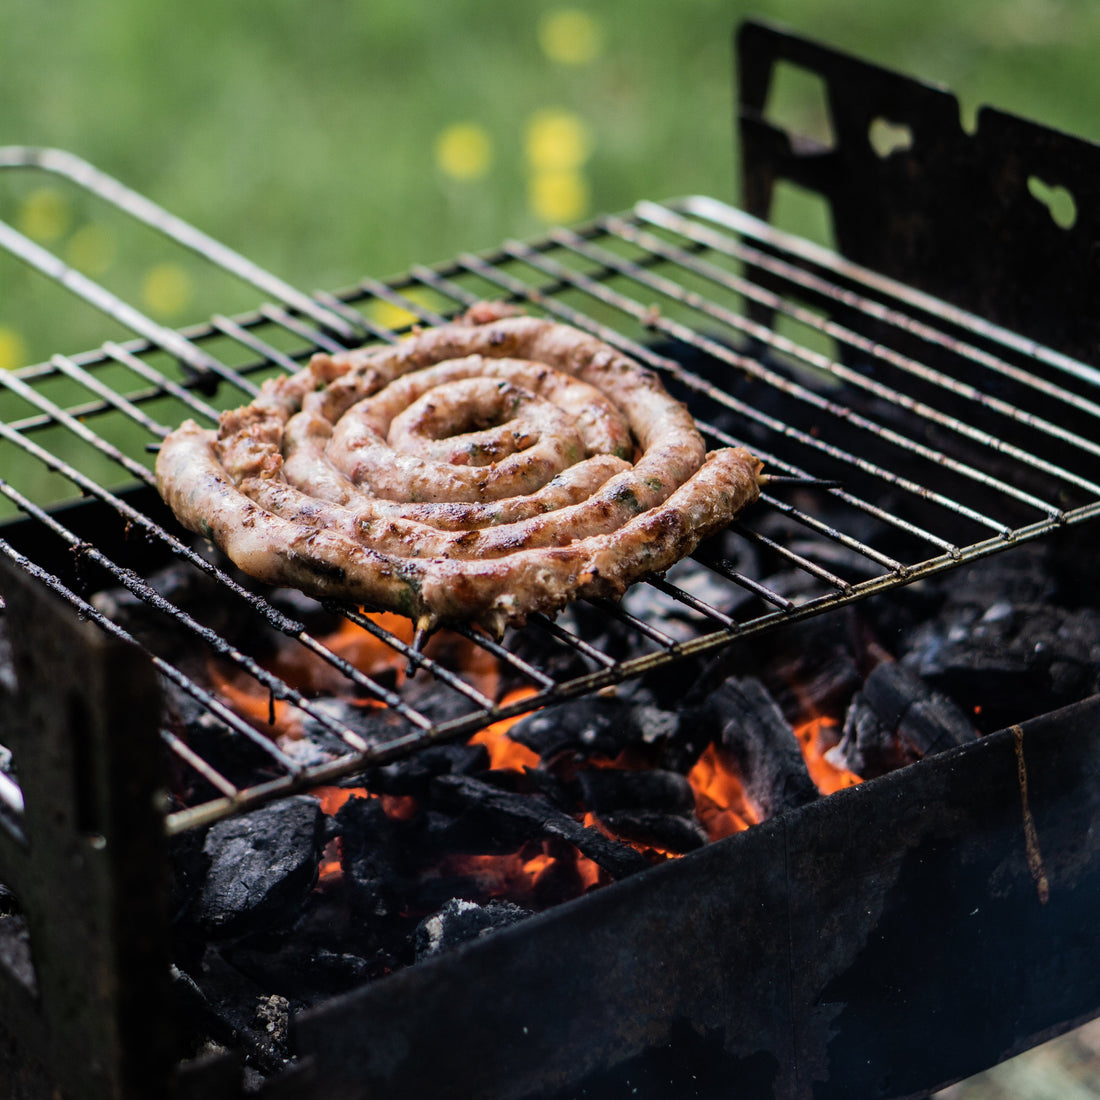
[
  {"x": 91, "y": 249},
  {"x": 44, "y": 215},
  {"x": 166, "y": 289},
  {"x": 393, "y": 316},
  {"x": 464, "y": 151},
  {"x": 558, "y": 195},
  {"x": 557, "y": 139},
  {"x": 13, "y": 349},
  {"x": 570, "y": 36}
]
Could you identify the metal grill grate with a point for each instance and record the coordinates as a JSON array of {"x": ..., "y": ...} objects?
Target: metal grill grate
[{"x": 903, "y": 438}]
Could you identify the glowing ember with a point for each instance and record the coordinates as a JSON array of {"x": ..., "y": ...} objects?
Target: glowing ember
[
  {"x": 816, "y": 737},
  {"x": 305, "y": 670},
  {"x": 539, "y": 874},
  {"x": 330, "y": 870},
  {"x": 720, "y": 801},
  {"x": 332, "y": 799},
  {"x": 251, "y": 701},
  {"x": 503, "y": 751}
]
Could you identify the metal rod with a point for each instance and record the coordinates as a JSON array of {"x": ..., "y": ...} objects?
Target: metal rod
[
  {"x": 540, "y": 298},
  {"x": 738, "y": 220},
  {"x": 276, "y": 619},
  {"x": 793, "y": 389},
  {"x": 137, "y": 206},
  {"x": 873, "y": 349}
]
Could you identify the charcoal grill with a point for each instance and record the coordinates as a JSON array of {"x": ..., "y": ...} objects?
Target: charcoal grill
[{"x": 929, "y": 379}]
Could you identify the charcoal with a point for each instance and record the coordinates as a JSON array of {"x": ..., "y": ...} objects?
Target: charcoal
[
  {"x": 592, "y": 726},
  {"x": 461, "y": 921},
  {"x": 762, "y": 742},
  {"x": 835, "y": 556},
  {"x": 191, "y": 591},
  {"x": 1022, "y": 577},
  {"x": 314, "y": 617},
  {"x": 189, "y": 863},
  {"x": 15, "y": 945},
  {"x": 602, "y": 790},
  {"x": 301, "y": 971},
  {"x": 676, "y": 619},
  {"x": 238, "y": 757},
  {"x": 1007, "y": 661},
  {"x": 8, "y": 685},
  {"x": 9, "y": 903},
  {"x": 217, "y": 1001},
  {"x": 816, "y": 669},
  {"x": 670, "y": 832},
  {"x": 895, "y": 720},
  {"x": 262, "y": 866},
  {"x": 436, "y": 701},
  {"x": 376, "y": 853},
  {"x": 411, "y": 775},
  {"x": 375, "y": 725},
  {"x": 811, "y": 668},
  {"x": 514, "y": 818}
]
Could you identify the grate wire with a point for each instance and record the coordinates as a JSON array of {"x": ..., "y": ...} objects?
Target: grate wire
[{"x": 685, "y": 287}]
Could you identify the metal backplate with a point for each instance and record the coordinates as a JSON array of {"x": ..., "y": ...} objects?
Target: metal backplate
[{"x": 952, "y": 213}]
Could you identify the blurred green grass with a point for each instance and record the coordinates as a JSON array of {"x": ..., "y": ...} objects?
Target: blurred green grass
[{"x": 308, "y": 136}]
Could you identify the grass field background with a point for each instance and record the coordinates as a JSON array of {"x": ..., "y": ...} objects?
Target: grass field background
[{"x": 339, "y": 139}]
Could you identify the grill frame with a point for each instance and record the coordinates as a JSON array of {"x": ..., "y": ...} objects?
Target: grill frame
[
  {"x": 884, "y": 869},
  {"x": 698, "y": 239}
]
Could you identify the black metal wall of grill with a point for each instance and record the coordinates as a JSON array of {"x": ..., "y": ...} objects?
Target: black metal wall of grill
[{"x": 934, "y": 438}]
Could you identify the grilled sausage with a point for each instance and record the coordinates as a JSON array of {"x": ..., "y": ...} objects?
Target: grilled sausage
[{"x": 472, "y": 472}]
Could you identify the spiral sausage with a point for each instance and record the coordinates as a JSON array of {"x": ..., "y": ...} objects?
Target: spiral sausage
[{"x": 475, "y": 471}]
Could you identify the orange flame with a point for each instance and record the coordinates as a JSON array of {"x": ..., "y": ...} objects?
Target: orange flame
[
  {"x": 720, "y": 800},
  {"x": 816, "y": 737},
  {"x": 540, "y": 872},
  {"x": 251, "y": 700},
  {"x": 503, "y": 751},
  {"x": 312, "y": 675}
]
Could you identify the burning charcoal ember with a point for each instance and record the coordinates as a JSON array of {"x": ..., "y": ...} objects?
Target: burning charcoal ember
[
  {"x": 665, "y": 831},
  {"x": 514, "y": 818},
  {"x": 757, "y": 736},
  {"x": 603, "y": 790},
  {"x": 460, "y": 921},
  {"x": 816, "y": 669},
  {"x": 370, "y": 855},
  {"x": 593, "y": 726},
  {"x": 262, "y": 865},
  {"x": 896, "y": 720}
]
